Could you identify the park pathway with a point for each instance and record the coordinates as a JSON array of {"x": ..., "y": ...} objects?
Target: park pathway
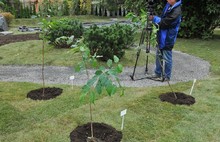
[{"x": 185, "y": 68}]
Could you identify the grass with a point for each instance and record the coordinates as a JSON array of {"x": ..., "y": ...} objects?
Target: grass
[
  {"x": 147, "y": 118},
  {"x": 30, "y": 53},
  {"x": 206, "y": 49}
]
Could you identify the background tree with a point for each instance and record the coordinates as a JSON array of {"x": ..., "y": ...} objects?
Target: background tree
[{"x": 199, "y": 20}]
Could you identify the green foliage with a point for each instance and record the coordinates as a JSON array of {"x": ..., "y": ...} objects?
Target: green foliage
[
  {"x": 75, "y": 7},
  {"x": 66, "y": 8},
  {"x": 103, "y": 80},
  {"x": 1, "y": 6},
  {"x": 135, "y": 6},
  {"x": 18, "y": 9},
  {"x": 109, "y": 41},
  {"x": 200, "y": 18},
  {"x": 64, "y": 42},
  {"x": 64, "y": 27},
  {"x": 141, "y": 21},
  {"x": 55, "y": 8}
]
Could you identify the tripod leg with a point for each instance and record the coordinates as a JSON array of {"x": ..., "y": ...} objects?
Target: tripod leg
[
  {"x": 146, "y": 69},
  {"x": 149, "y": 32},
  {"x": 138, "y": 54}
]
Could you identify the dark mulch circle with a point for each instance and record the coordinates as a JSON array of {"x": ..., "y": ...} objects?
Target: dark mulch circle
[
  {"x": 49, "y": 93},
  {"x": 182, "y": 99},
  {"x": 18, "y": 38},
  {"x": 103, "y": 133}
]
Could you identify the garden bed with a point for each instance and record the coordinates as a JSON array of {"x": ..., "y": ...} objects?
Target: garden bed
[
  {"x": 181, "y": 98},
  {"x": 49, "y": 93},
  {"x": 6, "y": 39},
  {"x": 102, "y": 133}
]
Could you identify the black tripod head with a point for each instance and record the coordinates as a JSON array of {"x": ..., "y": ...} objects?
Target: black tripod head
[{"x": 150, "y": 6}]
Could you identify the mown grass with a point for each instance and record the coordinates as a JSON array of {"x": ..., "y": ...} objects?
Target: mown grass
[
  {"x": 147, "y": 118},
  {"x": 206, "y": 49},
  {"x": 30, "y": 53}
]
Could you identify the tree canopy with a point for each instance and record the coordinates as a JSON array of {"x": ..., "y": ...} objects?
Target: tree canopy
[{"x": 199, "y": 18}]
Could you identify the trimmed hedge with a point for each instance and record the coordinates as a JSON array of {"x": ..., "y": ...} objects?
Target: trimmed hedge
[
  {"x": 109, "y": 41},
  {"x": 64, "y": 27}
]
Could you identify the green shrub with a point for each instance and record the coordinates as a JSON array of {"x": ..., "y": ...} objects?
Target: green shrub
[
  {"x": 109, "y": 41},
  {"x": 64, "y": 42},
  {"x": 8, "y": 17},
  {"x": 126, "y": 34},
  {"x": 64, "y": 27}
]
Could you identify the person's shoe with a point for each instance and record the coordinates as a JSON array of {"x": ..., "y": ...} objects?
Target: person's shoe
[{"x": 154, "y": 76}]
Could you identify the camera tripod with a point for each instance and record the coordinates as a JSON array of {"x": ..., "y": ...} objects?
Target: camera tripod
[{"x": 146, "y": 35}]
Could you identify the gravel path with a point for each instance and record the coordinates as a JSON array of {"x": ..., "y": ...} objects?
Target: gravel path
[{"x": 185, "y": 68}]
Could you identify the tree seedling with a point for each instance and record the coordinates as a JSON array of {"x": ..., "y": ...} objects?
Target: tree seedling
[{"x": 104, "y": 81}]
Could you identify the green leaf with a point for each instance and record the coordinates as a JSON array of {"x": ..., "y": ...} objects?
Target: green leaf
[
  {"x": 94, "y": 63},
  {"x": 104, "y": 80},
  {"x": 102, "y": 68},
  {"x": 82, "y": 97},
  {"x": 92, "y": 97},
  {"x": 98, "y": 72},
  {"x": 112, "y": 72},
  {"x": 85, "y": 89},
  {"x": 77, "y": 68},
  {"x": 116, "y": 59},
  {"x": 119, "y": 68},
  {"x": 91, "y": 81},
  {"x": 109, "y": 63},
  {"x": 111, "y": 89},
  {"x": 98, "y": 87}
]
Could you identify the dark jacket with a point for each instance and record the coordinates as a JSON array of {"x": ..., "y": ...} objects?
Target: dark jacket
[{"x": 169, "y": 23}]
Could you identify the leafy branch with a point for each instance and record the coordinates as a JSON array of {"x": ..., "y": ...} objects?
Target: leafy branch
[{"x": 104, "y": 80}]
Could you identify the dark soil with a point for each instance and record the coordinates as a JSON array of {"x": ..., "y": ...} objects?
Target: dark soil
[
  {"x": 182, "y": 99},
  {"x": 103, "y": 132},
  {"x": 6, "y": 39},
  {"x": 49, "y": 93}
]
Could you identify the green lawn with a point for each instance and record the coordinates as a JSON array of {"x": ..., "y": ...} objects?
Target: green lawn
[
  {"x": 207, "y": 50},
  {"x": 147, "y": 118},
  {"x": 30, "y": 53}
]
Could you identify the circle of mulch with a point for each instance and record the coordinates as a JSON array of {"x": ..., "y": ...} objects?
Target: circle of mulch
[
  {"x": 182, "y": 99},
  {"x": 49, "y": 93},
  {"x": 6, "y": 39},
  {"x": 102, "y": 133}
]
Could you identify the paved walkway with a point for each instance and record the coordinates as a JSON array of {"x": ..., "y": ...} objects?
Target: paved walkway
[{"x": 185, "y": 68}]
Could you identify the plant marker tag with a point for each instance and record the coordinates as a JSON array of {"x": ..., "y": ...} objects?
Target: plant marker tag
[
  {"x": 192, "y": 87},
  {"x": 72, "y": 78},
  {"x": 123, "y": 118}
]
